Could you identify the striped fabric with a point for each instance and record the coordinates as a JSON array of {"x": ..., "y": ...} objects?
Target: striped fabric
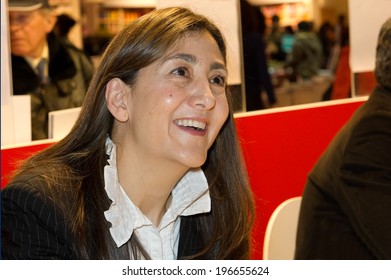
[{"x": 33, "y": 227}]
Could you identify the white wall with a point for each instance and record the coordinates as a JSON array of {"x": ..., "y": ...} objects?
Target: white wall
[
  {"x": 365, "y": 20},
  {"x": 15, "y": 111}
]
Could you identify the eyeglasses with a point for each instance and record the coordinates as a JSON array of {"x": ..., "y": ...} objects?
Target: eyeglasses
[{"x": 20, "y": 19}]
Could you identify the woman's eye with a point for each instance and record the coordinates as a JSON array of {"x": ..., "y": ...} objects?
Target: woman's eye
[
  {"x": 219, "y": 80},
  {"x": 181, "y": 71}
]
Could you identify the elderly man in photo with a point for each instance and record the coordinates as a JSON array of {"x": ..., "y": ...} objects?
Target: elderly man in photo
[{"x": 55, "y": 74}]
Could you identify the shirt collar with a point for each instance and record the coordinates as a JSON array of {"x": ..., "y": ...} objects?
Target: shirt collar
[
  {"x": 189, "y": 197},
  {"x": 34, "y": 61}
]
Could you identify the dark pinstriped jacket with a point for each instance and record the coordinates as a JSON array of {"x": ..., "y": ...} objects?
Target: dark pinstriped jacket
[{"x": 34, "y": 226}]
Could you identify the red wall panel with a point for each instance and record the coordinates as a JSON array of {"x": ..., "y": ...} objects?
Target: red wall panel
[{"x": 280, "y": 149}]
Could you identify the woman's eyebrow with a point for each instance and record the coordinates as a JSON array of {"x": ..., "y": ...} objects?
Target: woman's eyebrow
[
  {"x": 183, "y": 56},
  {"x": 192, "y": 59},
  {"x": 218, "y": 66}
]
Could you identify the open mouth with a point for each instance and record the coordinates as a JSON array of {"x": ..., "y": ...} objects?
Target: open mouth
[{"x": 192, "y": 124}]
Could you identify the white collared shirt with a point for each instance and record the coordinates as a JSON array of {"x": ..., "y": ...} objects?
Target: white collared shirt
[
  {"x": 189, "y": 197},
  {"x": 35, "y": 61}
]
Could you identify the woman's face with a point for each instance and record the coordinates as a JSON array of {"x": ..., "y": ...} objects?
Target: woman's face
[{"x": 178, "y": 104}]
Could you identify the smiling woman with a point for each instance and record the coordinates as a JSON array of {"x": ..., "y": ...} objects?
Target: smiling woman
[{"x": 152, "y": 168}]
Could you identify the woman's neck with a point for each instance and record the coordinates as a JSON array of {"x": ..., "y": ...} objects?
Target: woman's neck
[{"x": 149, "y": 184}]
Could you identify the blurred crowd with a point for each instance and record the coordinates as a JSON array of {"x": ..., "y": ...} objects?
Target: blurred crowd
[{"x": 293, "y": 54}]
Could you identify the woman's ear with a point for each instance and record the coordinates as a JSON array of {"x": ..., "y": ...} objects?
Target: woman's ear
[{"x": 116, "y": 94}]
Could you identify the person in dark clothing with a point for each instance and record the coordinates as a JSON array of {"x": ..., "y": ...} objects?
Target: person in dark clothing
[
  {"x": 256, "y": 73},
  {"x": 274, "y": 43},
  {"x": 53, "y": 73},
  {"x": 346, "y": 205},
  {"x": 326, "y": 36},
  {"x": 63, "y": 26},
  {"x": 342, "y": 31}
]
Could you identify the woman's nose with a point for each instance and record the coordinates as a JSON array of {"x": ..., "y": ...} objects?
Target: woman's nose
[{"x": 202, "y": 96}]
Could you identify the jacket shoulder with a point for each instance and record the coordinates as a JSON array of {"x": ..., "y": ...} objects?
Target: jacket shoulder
[{"x": 35, "y": 224}]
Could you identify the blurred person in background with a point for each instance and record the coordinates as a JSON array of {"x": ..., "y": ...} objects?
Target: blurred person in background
[
  {"x": 256, "y": 73},
  {"x": 63, "y": 26},
  {"x": 287, "y": 39},
  {"x": 54, "y": 74},
  {"x": 305, "y": 59},
  {"x": 326, "y": 36},
  {"x": 341, "y": 31},
  {"x": 274, "y": 48}
]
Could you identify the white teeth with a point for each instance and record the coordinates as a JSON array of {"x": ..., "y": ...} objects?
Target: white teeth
[{"x": 191, "y": 123}]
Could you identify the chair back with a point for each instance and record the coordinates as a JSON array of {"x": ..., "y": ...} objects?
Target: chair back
[{"x": 280, "y": 236}]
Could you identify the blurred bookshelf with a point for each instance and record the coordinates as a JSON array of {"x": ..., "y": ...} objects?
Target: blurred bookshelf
[{"x": 102, "y": 20}]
